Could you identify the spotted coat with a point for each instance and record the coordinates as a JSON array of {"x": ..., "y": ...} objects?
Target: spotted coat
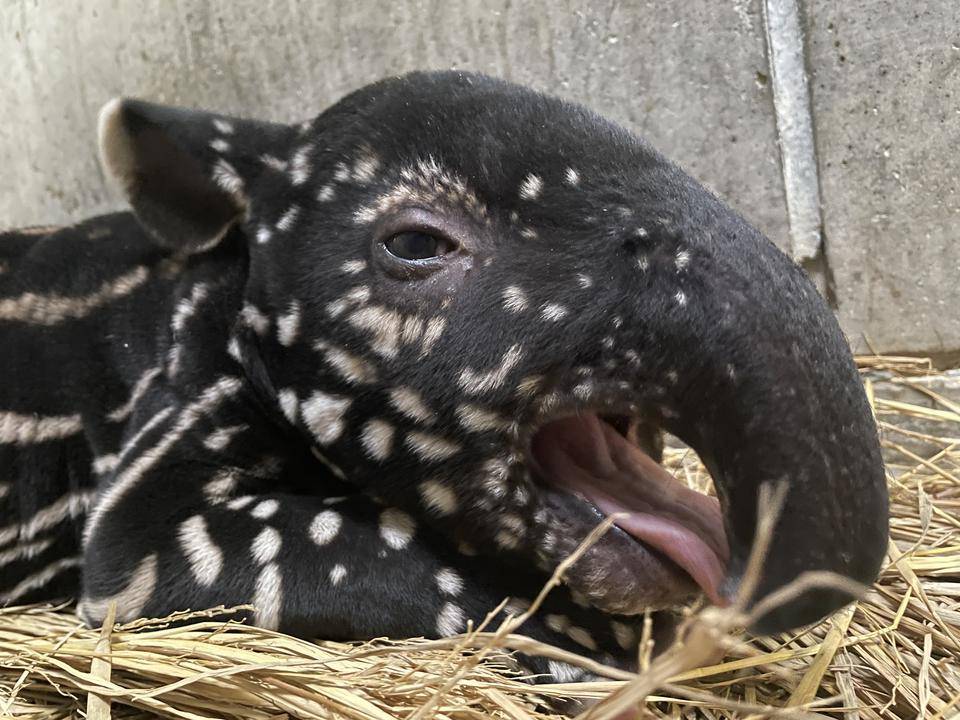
[{"x": 257, "y": 388}]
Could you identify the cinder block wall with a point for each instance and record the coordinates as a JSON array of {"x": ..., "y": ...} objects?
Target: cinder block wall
[{"x": 833, "y": 126}]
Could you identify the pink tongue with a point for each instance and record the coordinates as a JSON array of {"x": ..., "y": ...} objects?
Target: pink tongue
[{"x": 587, "y": 457}]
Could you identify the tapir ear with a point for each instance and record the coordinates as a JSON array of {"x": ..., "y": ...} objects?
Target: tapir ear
[{"x": 186, "y": 173}]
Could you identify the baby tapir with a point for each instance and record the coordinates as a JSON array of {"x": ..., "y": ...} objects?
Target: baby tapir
[{"x": 375, "y": 372}]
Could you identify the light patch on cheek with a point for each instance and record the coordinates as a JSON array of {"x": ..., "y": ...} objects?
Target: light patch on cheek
[
  {"x": 434, "y": 330},
  {"x": 356, "y": 296},
  {"x": 377, "y": 439},
  {"x": 431, "y": 447},
  {"x": 383, "y": 324},
  {"x": 475, "y": 383},
  {"x": 323, "y": 415},
  {"x": 300, "y": 165}
]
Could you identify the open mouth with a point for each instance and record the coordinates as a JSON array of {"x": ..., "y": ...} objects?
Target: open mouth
[{"x": 599, "y": 461}]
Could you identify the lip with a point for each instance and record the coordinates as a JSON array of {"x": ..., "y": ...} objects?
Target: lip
[{"x": 598, "y": 461}]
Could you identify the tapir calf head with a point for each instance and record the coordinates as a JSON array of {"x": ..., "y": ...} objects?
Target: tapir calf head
[{"x": 476, "y": 301}]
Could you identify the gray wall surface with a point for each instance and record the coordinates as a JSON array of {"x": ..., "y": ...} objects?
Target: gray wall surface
[{"x": 694, "y": 77}]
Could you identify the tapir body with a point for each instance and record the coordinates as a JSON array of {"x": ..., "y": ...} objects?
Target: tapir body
[{"x": 376, "y": 372}]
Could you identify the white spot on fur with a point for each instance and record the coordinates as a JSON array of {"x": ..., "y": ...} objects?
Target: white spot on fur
[
  {"x": 323, "y": 415},
  {"x": 326, "y": 193},
  {"x": 19, "y": 429},
  {"x": 377, "y": 439},
  {"x": 449, "y": 582},
  {"x": 354, "y": 297},
  {"x": 288, "y": 218},
  {"x": 337, "y": 574},
  {"x": 264, "y": 234},
  {"x": 582, "y": 637},
  {"x": 438, "y": 497},
  {"x": 220, "y": 485},
  {"x": 643, "y": 263},
  {"x": 584, "y": 281},
  {"x": 239, "y": 503},
  {"x": 273, "y": 162},
  {"x": 435, "y": 328},
  {"x": 514, "y": 299},
  {"x": 431, "y": 447},
  {"x": 396, "y": 528},
  {"x": 222, "y": 126},
  {"x": 571, "y": 177},
  {"x": 530, "y": 385},
  {"x": 641, "y": 232},
  {"x": 451, "y": 620},
  {"x": 557, "y": 623},
  {"x": 408, "y": 402},
  {"x": 624, "y": 635},
  {"x": 528, "y": 233},
  {"x": 268, "y": 597},
  {"x": 496, "y": 474},
  {"x": 220, "y": 145},
  {"x": 366, "y": 166},
  {"x": 681, "y": 298},
  {"x": 342, "y": 172},
  {"x": 478, "y": 419},
  {"x": 266, "y": 545},
  {"x": 300, "y": 165},
  {"x": 254, "y": 318},
  {"x": 288, "y": 404},
  {"x": 531, "y": 187},
  {"x": 221, "y": 437},
  {"x": 474, "y": 383},
  {"x": 51, "y": 309},
  {"x": 383, "y": 323},
  {"x": 131, "y": 600},
  {"x": 325, "y": 527},
  {"x": 352, "y": 267},
  {"x": 553, "y": 312},
  {"x": 682, "y": 260},
  {"x": 203, "y": 555},
  {"x": 227, "y": 178},
  {"x": 288, "y": 324},
  {"x": 266, "y": 509},
  {"x": 351, "y": 368}
]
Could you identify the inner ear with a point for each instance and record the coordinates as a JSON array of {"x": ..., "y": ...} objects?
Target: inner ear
[{"x": 185, "y": 194}]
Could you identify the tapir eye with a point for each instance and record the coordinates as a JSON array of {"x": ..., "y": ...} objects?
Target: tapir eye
[{"x": 416, "y": 245}]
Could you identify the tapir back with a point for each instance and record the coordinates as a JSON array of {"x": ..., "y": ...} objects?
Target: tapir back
[{"x": 64, "y": 380}]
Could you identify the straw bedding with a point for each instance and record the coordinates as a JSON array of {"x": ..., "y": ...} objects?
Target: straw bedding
[{"x": 895, "y": 654}]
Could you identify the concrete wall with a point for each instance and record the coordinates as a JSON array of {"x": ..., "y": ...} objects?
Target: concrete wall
[{"x": 694, "y": 77}]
